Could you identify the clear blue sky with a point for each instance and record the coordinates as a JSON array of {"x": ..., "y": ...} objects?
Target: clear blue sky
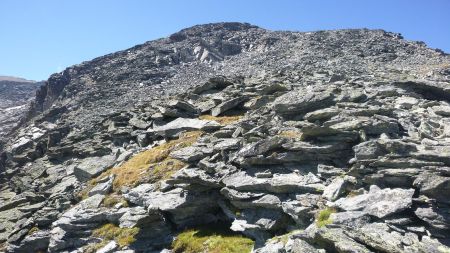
[{"x": 40, "y": 37}]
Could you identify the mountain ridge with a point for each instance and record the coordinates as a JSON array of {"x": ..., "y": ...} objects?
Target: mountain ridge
[{"x": 328, "y": 141}]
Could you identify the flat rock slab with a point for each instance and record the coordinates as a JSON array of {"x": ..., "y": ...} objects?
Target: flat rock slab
[
  {"x": 175, "y": 127},
  {"x": 279, "y": 183},
  {"x": 300, "y": 102},
  {"x": 378, "y": 202}
]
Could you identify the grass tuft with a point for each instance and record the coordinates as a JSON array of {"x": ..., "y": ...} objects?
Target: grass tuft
[
  {"x": 123, "y": 236},
  {"x": 209, "y": 240},
  {"x": 323, "y": 218},
  {"x": 223, "y": 120}
]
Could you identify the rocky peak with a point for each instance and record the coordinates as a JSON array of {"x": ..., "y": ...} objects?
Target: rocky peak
[{"x": 328, "y": 141}]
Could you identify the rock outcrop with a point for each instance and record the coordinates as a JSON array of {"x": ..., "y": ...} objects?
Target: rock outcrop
[{"x": 331, "y": 141}]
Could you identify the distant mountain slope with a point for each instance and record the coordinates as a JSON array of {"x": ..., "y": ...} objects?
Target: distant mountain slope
[
  {"x": 15, "y": 97},
  {"x": 15, "y": 79}
]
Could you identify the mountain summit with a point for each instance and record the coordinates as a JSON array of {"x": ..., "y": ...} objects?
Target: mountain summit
[{"x": 228, "y": 137}]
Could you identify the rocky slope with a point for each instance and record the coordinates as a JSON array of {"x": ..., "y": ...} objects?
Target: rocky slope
[
  {"x": 15, "y": 96},
  {"x": 329, "y": 141}
]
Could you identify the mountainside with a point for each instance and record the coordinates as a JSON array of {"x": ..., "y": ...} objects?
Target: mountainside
[
  {"x": 328, "y": 141},
  {"x": 15, "y": 96}
]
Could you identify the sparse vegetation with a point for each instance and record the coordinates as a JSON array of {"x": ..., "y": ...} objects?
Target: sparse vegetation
[
  {"x": 151, "y": 165},
  {"x": 208, "y": 240},
  {"x": 165, "y": 169},
  {"x": 112, "y": 199},
  {"x": 290, "y": 134},
  {"x": 284, "y": 238},
  {"x": 33, "y": 230},
  {"x": 83, "y": 194},
  {"x": 323, "y": 218},
  {"x": 93, "y": 247},
  {"x": 123, "y": 236},
  {"x": 223, "y": 120}
]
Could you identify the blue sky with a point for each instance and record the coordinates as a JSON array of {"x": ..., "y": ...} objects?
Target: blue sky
[{"x": 38, "y": 38}]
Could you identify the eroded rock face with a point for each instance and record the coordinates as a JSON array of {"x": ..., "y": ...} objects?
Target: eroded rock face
[{"x": 335, "y": 155}]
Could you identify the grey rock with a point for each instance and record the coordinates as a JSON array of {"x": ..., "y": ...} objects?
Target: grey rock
[
  {"x": 338, "y": 187},
  {"x": 436, "y": 217},
  {"x": 138, "y": 123},
  {"x": 378, "y": 202},
  {"x": 267, "y": 201},
  {"x": 434, "y": 186},
  {"x": 227, "y": 105},
  {"x": 102, "y": 187},
  {"x": 334, "y": 239},
  {"x": 279, "y": 183},
  {"x": 405, "y": 102},
  {"x": 227, "y": 144},
  {"x": 322, "y": 114},
  {"x": 38, "y": 241},
  {"x": 137, "y": 217},
  {"x": 193, "y": 176},
  {"x": 300, "y": 246},
  {"x": 296, "y": 102},
  {"x": 213, "y": 83},
  {"x": 442, "y": 110},
  {"x": 350, "y": 218},
  {"x": 136, "y": 195},
  {"x": 93, "y": 166},
  {"x": 271, "y": 247},
  {"x": 185, "y": 207},
  {"x": 192, "y": 153},
  {"x": 110, "y": 247},
  {"x": 368, "y": 150}
]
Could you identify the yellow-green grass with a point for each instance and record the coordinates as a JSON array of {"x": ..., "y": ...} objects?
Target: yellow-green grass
[
  {"x": 33, "y": 230},
  {"x": 209, "y": 240},
  {"x": 290, "y": 134},
  {"x": 122, "y": 236}
]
